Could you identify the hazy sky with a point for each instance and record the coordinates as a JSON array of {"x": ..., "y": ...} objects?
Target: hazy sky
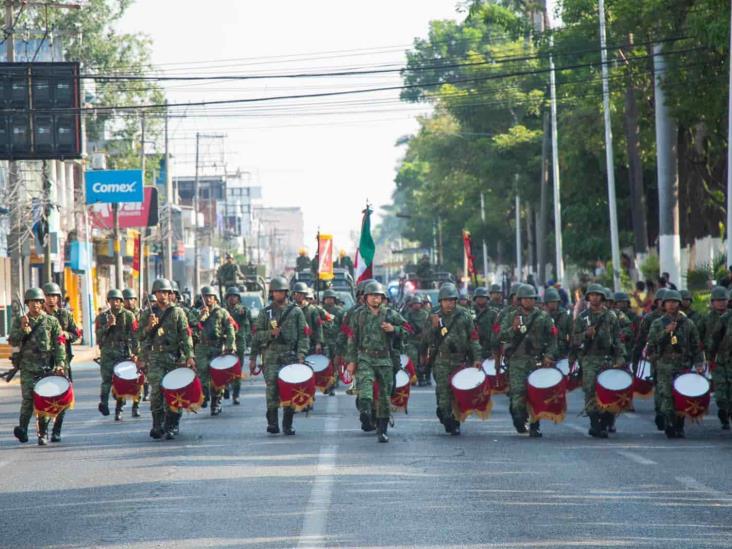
[{"x": 327, "y": 155}]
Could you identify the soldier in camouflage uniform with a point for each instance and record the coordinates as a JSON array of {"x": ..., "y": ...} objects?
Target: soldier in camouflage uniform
[
  {"x": 228, "y": 274},
  {"x": 486, "y": 318},
  {"x": 41, "y": 341},
  {"x": 530, "y": 342},
  {"x": 164, "y": 339},
  {"x": 711, "y": 320},
  {"x": 712, "y": 328},
  {"x": 312, "y": 318},
  {"x": 453, "y": 342},
  {"x": 216, "y": 336},
  {"x": 71, "y": 334},
  {"x": 243, "y": 319},
  {"x": 371, "y": 330},
  {"x": 332, "y": 321},
  {"x": 673, "y": 346},
  {"x": 414, "y": 342},
  {"x": 720, "y": 363},
  {"x": 280, "y": 336},
  {"x": 562, "y": 321},
  {"x": 131, "y": 305},
  {"x": 116, "y": 331},
  {"x": 691, "y": 314},
  {"x": 496, "y": 294},
  {"x": 628, "y": 323},
  {"x": 596, "y": 346}
]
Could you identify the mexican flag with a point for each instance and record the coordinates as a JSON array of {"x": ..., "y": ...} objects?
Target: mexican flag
[{"x": 366, "y": 248}]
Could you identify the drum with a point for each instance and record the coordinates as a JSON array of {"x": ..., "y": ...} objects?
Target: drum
[
  {"x": 296, "y": 383},
  {"x": 408, "y": 366},
  {"x": 471, "y": 390},
  {"x": 182, "y": 390},
  {"x": 498, "y": 380},
  {"x": 546, "y": 395},
  {"x": 223, "y": 370},
  {"x": 614, "y": 390},
  {"x": 642, "y": 382},
  {"x": 323, "y": 370},
  {"x": 52, "y": 395},
  {"x": 400, "y": 398},
  {"x": 127, "y": 380},
  {"x": 691, "y": 395},
  {"x": 258, "y": 365},
  {"x": 571, "y": 374}
]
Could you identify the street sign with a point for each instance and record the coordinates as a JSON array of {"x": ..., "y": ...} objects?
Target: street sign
[{"x": 113, "y": 186}]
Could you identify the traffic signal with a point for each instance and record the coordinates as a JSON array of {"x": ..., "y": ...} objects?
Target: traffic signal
[{"x": 39, "y": 111}]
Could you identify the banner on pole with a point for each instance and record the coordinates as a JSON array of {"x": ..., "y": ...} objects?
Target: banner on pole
[
  {"x": 325, "y": 257},
  {"x": 468, "y": 245}
]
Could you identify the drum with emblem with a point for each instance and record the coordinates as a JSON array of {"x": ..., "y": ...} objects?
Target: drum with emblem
[
  {"x": 402, "y": 388},
  {"x": 471, "y": 391},
  {"x": 408, "y": 366},
  {"x": 642, "y": 380},
  {"x": 691, "y": 395},
  {"x": 52, "y": 395},
  {"x": 223, "y": 370},
  {"x": 497, "y": 378},
  {"x": 546, "y": 395},
  {"x": 127, "y": 380},
  {"x": 614, "y": 390},
  {"x": 296, "y": 383},
  {"x": 324, "y": 371},
  {"x": 182, "y": 390}
]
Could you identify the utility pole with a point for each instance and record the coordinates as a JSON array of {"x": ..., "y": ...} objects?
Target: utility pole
[
  {"x": 169, "y": 197},
  {"x": 47, "y": 268},
  {"x": 143, "y": 231},
  {"x": 609, "y": 157},
  {"x": 519, "y": 266},
  {"x": 668, "y": 177},
  {"x": 485, "y": 246},
  {"x": 196, "y": 251}
]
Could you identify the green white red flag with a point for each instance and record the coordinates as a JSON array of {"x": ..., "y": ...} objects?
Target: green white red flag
[{"x": 366, "y": 249}]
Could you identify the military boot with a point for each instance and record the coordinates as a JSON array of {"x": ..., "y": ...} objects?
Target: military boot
[
  {"x": 157, "y": 429},
  {"x": 596, "y": 429},
  {"x": 227, "y": 393},
  {"x": 535, "y": 430},
  {"x": 608, "y": 419},
  {"x": 519, "y": 423},
  {"x": 20, "y": 433},
  {"x": 235, "y": 395},
  {"x": 103, "y": 408},
  {"x": 273, "y": 421},
  {"x": 679, "y": 427},
  {"x": 382, "y": 426},
  {"x": 169, "y": 426},
  {"x": 176, "y": 423},
  {"x": 215, "y": 403},
  {"x": 136, "y": 408},
  {"x": 670, "y": 427},
  {"x": 723, "y": 416},
  {"x": 287, "y": 417},
  {"x": 56, "y": 431},
  {"x": 660, "y": 422},
  {"x": 42, "y": 426},
  {"x": 454, "y": 427},
  {"x": 118, "y": 410},
  {"x": 145, "y": 391},
  {"x": 205, "y": 398},
  {"x": 367, "y": 422}
]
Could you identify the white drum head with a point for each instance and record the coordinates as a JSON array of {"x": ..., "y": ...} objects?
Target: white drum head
[
  {"x": 644, "y": 370},
  {"x": 404, "y": 360},
  {"x": 224, "y": 362},
  {"x": 126, "y": 370},
  {"x": 295, "y": 373},
  {"x": 468, "y": 379},
  {"x": 51, "y": 386},
  {"x": 543, "y": 378},
  {"x": 489, "y": 367},
  {"x": 615, "y": 380},
  {"x": 178, "y": 379},
  {"x": 691, "y": 385},
  {"x": 563, "y": 366},
  {"x": 319, "y": 363},
  {"x": 402, "y": 379}
]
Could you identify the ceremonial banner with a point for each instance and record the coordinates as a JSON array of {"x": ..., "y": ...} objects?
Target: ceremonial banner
[
  {"x": 470, "y": 260},
  {"x": 366, "y": 249},
  {"x": 325, "y": 257}
]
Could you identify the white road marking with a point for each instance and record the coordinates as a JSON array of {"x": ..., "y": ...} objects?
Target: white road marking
[
  {"x": 692, "y": 484},
  {"x": 632, "y": 456},
  {"x": 316, "y": 510}
]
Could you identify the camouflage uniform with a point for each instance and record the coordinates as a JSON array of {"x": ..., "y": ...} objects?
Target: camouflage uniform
[
  {"x": 41, "y": 351},
  {"x": 486, "y": 322},
  {"x": 331, "y": 329},
  {"x": 228, "y": 275},
  {"x": 414, "y": 341},
  {"x": 563, "y": 322},
  {"x": 720, "y": 357},
  {"x": 164, "y": 347},
  {"x": 315, "y": 326},
  {"x": 672, "y": 353},
  {"x": 243, "y": 319}
]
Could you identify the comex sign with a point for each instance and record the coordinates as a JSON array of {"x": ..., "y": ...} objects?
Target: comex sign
[{"x": 113, "y": 186}]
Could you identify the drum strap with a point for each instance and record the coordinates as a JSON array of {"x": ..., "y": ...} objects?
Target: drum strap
[
  {"x": 27, "y": 337},
  {"x": 523, "y": 335}
]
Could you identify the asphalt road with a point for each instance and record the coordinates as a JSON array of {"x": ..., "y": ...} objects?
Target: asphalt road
[{"x": 226, "y": 483}]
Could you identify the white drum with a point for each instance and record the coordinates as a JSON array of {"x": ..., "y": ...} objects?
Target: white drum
[
  {"x": 402, "y": 379},
  {"x": 691, "y": 395},
  {"x": 468, "y": 379},
  {"x": 295, "y": 373},
  {"x": 51, "y": 386},
  {"x": 319, "y": 363},
  {"x": 127, "y": 371},
  {"x": 489, "y": 367},
  {"x": 178, "y": 379},
  {"x": 614, "y": 390},
  {"x": 563, "y": 366},
  {"x": 224, "y": 362}
]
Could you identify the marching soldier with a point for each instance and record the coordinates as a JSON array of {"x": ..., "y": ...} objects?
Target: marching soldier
[
  {"x": 116, "y": 331},
  {"x": 243, "y": 319},
  {"x": 529, "y": 341},
  {"x": 562, "y": 321},
  {"x": 418, "y": 319},
  {"x": 710, "y": 322},
  {"x": 228, "y": 274},
  {"x": 496, "y": 294},
  {"x": 331, "y": 329},
  {"x": 485, "y": 317},
  {"x": 673, "y": 345},
  {"x": 165, "y": 343},
  {"x": 596, "y": 346},
  {"x": 626, "y": 324},
  {"x": 453, "y": 341},
  {"x": 41, "y": 340},
  {"x": 312, "y": 317},
  {"x": 371, "y": 330},
  {"x": 130, "y": 298},
  {"x": 215, "y": 330},
  {"x": 280, "y": 337},
  {"x": 686, "y": 301},
  {"x": 720, "y": 364},
  {"x": 70, "y": 332}
]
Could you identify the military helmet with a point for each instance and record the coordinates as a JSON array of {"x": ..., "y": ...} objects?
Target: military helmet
[
  {"x": 514, "y": 288},
  {"x": 374, "y": 288},
  {"x": 526, "y": 291},
  {"x": 330, "y": 293},
  {"x": 232, "y": 290},
  {"x": 34, "y": 294},
  {"x": 496, "y": 289},
  {"x": 551, "y": 294},
  {"x": 621, "y": 296},
  {"x": 51, "y": 288},
  {"x": 176, "y": 289},
  {"x": 161, "y": 285},
  {"x": 361, "y": 285},
  {"x": 114, "y": 294},
  {"x": 672, "y": 295},
  {"x": 426, "y": 299},
  {"x": 595, "y": 289},
  {"x": 129, "y": 293},
  {"x": 209, "y": 290},
  {"x": 278, "y": 284},
  {"x": 660, "y": 294},
  {"x": 480, "y": 292},
  {"x": 447, "y": 291},
  {"x": 609, "y": 295},
  {"x": 685, "y": 294},
  {"x": 300, "y": 288},
  {"x": 719, "y": 292}
]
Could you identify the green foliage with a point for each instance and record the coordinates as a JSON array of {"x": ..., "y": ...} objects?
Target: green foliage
[
  {"x": 699, "y": 278},
  {"x": 651, "y": 268}
]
